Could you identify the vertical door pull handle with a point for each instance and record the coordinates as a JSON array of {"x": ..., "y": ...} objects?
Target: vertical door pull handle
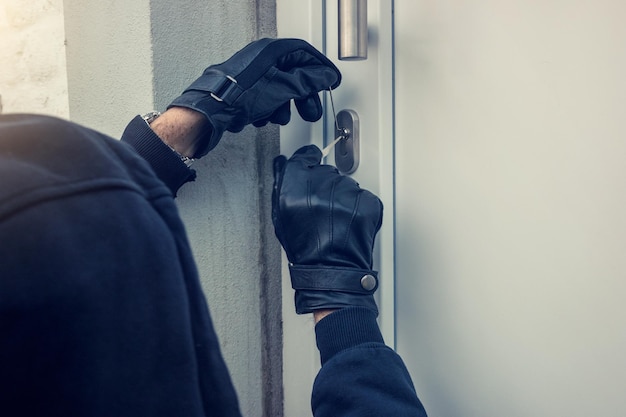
[{"x": 352, "y": 30}]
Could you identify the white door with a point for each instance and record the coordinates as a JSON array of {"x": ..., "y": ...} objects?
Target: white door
[
  {"x": 511, "y": 202},
  {"x": 366, "y": 89},
  {"x": 508, "y": 192}
]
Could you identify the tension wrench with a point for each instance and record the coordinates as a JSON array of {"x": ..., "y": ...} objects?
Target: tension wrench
[{"x": 345, "y": 133}]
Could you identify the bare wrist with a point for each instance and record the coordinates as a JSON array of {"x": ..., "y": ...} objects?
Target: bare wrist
[
  {"x": 320, "y": 314},
  {"x": 181, "y": 129}
]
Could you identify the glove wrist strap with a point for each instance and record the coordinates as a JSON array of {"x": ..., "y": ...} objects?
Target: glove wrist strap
[
  {"x": 333, "y": 278},
  {"x": 220, "y": 86}
]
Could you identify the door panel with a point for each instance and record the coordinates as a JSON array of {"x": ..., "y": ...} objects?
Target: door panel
[
  {"x": 367, "y": 89},
  {"x": 510, "y": 201}
]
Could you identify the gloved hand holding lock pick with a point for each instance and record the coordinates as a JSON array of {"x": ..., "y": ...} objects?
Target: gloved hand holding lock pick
[
  {"x": 256, "y": 86},
  {"x": 327, "y": 225}
]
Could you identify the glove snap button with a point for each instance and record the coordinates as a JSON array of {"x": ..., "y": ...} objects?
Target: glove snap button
[{"x": 368, "y": 282}]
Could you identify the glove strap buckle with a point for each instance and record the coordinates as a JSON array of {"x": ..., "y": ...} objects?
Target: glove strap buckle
[{"x": 224, "y": 89}]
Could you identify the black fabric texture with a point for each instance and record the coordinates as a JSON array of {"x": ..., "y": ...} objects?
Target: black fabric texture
[
  {"x": 345, "y": 329},
  {"x": 256, "y": 86},
  {"x": 101, "y": 309},
  {"x": 324, "y": 219},
  {"x": 360, "y": 375}
]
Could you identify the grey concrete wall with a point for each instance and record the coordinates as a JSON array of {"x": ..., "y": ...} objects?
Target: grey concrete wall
[
  {"x": 126, "y": 58},
  {"x": 109, "y": 62}
]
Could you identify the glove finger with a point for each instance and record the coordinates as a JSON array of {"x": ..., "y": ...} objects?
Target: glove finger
[
  {"x": 308, "y": 156},
  {"x": 302, "y": 85},
  {"x": 374, "y": 209},
  {"x": 236, "y": 127},
  {"x": 251, "y": 63},
  {"x": 279, "y": 167},
  {"x": 299, "y": 71},
  {"x": 282, "y": 115},
  {"x": 260, "y": 123},
  {"x": 308, "y": 80},
  {"x": 308, "y": 58},
  {"x": 310, "y": 108}
]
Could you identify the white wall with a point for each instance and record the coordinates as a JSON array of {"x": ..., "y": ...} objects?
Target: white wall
[
  {"x": 33, "y": 76},
  {"x": 511, "y": 194}
]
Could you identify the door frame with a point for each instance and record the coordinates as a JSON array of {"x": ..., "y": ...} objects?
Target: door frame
[{"x": 316, "y": 22}]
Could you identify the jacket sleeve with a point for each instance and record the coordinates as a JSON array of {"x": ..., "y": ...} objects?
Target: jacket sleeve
[
  {"x": 360, "y": 375},
  {"x": 165, "y": 163}
]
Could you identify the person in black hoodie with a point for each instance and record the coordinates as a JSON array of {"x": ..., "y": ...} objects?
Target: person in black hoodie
[{"x": 101, "y": 309}]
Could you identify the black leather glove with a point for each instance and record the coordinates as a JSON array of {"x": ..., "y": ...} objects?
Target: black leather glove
[
  {"x": 327, "y": 225},
  {"x": 257, "y": 84}
]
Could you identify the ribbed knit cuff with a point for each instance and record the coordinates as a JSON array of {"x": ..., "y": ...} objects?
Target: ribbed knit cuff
[
  {"x": 344, "y": 329},
  {"x": 166, "y": 164}
]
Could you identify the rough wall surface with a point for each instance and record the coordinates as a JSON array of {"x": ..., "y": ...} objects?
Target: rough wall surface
[
  {"x": 227, "y": 209},
  {"x": 33, "y": 77},
  {"x": 109, "y": 64}
]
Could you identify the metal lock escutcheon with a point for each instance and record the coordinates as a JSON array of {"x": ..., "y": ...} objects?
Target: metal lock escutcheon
[{"x": 347, "y": 150}]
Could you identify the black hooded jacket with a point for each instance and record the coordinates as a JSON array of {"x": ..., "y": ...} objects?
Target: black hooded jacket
[{"x": 101, "y": 309}]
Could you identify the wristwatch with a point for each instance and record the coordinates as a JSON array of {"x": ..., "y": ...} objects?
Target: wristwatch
[{"x": 151, "y": 117}]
